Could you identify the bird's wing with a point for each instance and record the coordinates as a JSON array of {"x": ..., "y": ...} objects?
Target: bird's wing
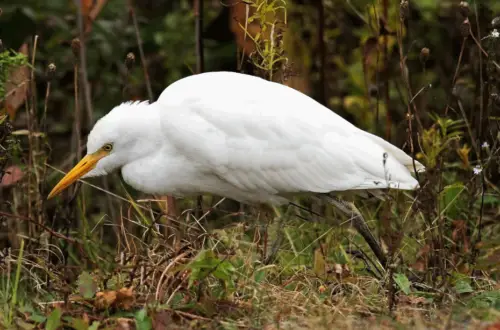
[{"x": 266, "y": 137}]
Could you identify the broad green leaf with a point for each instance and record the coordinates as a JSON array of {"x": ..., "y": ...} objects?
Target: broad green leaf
[
  {"x": 402, "y": 282},
  {"x": 142, "y": 320},
  {"x": 463, "y": 286},
  {"x": 79, "y": 324},
  {"x": 87, "y": 286},
  {"x": 450, "y": 199},
  {"x": 94, "y": 326},
  {"x": 259, "y": 276},
  {"x": 54, "y": 320}
]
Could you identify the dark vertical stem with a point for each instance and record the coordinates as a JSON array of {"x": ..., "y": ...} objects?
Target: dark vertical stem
[
  {"x": 77, "y": 127},
  {"x": 83, "y": 65},
  {"x": 322, "y": 51},
  {"x": 479, "y": 222},
  {"x": 388, "y": 120},
  {"x": 200, "y": 67},
  {"x": 141, "y": 51},
  {"x": 31, "y": 127},
  {"x": 198, "y": 14}
]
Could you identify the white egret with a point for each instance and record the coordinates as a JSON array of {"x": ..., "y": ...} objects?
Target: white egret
[{"x": 242, "y": 137}]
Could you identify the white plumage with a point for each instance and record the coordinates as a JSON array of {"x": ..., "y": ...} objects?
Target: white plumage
[{"x": 241, "y": 137}]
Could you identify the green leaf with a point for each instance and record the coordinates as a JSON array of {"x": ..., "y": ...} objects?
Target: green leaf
[
  {"x": 79, "y": 324},
  {"x": 463, "y": 286},
  {"x": 259, "y": 276},
  {"x": 37, "y": 318},
  {"x": 87, "y": 286},
  {"x": 485, "y": 300},
  {"x": 143, "y": 321},
  {"x": 207, "y": 263},
  {"x": 54, "y": 320},
  {"x": 33, "y": 315},
  {"x": 402, "y": 282},
  {"x": 94, "y": 326},
  {"x": 450, "y": 199}
]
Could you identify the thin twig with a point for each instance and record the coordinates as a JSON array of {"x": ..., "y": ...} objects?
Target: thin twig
[
  {"x": 31, "y": 125},
  {"x": 77, "y": 124},
  {"x": 141, "y": 51},
  {"x": 83, "y": 64},
  {"x": 198, "y": 15},
  {"x": 47, "y": 229}
]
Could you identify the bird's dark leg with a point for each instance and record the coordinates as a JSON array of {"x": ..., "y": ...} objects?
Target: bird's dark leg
[
  {"x": 282, "y": 220},
  {"x": 359, "y": 223}
]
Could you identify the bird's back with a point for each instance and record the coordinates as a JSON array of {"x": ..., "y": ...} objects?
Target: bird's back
[{"x": 267, "y": 139}]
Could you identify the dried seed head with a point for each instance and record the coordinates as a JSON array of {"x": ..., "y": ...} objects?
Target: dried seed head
[
  {"x": 424, "y": 54},
  {"x": 495, "y": 23},
  {"x": 404, "y": 10},
  {"x": 465, "y": 28},
  {"x": 51, "y": 71},
  {"x": 75, "y": 47},
  {"x": 130, "y": 60},
  {"x": 464, "y": 8}
]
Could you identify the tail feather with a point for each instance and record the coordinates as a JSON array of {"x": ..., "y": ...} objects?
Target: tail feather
[{"x": 397, "y": 153}]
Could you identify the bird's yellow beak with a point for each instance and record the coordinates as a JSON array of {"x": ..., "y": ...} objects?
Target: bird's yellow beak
[{"x": 84, "y": 166}]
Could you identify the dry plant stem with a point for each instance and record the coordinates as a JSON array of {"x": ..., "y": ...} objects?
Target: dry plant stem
[
  {"x": 388, "y": 120},
  {"x": 359, "y": 223},
  {"x": 271, "y": 52},
  {"x": 45, "y": 108},
  {"x": 409, "y": 114},
  {"x": 32, "y": 168},
  {"x": 77, "y": 124},
  {"x": 36, "y": 223},
  {"x": 43, "y": 124},
  {"x": 479, "y": 223},
  {"x": 481, "y": 82},
  {"x": 83, "y": 65},
  {"x": 455, "y": 76},
  {"x": 247, "y": 14},
  {"x": 200, "y": 67},
  {"x": 322, "y": 51},
  {"x": 164, "y": 273},
  {"x": 141, "y": 51},
  {"x": 391, "y": 299},
  {"x": 198, "y": 15},
  {"x": 279, "y": 235},
  {"x": 36, "y": 149}
]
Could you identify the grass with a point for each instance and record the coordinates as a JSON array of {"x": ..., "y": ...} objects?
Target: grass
[{"x": 315, "y": 283}]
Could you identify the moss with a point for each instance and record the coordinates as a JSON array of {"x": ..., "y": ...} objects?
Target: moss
[{"x": 8, "y": 61}]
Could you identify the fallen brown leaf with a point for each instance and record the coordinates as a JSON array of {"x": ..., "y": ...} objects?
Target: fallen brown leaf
[
  {"x": 124, "y": 324},
  {"x": 11, "y": 176},
  {"x": 162, "y": 320},
  {"x": 125, "y": 298},
  {"x": 104, "y": 299}
]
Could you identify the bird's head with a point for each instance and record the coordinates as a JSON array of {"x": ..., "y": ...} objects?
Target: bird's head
[{"x": 125, "y": 134}]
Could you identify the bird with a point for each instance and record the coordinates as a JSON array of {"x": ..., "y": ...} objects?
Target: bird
[{"x": 239, "y": 136}]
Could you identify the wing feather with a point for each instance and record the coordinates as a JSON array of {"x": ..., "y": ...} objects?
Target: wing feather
[{"x": 263, "y": 137}]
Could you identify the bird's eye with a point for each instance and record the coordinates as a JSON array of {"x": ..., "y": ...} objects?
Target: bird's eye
[{"x": 107, "y": 147}]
